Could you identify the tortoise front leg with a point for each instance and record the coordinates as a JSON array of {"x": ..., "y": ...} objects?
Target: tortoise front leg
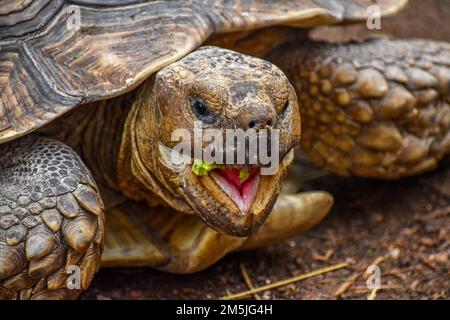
[
  {"x": 51, "y": 221},
  {"x": 162, "y": 238},
  {"x": 379, "y": 108},
  {"x": 292, "y": 215},
  {"x": 179, "y": 243}
]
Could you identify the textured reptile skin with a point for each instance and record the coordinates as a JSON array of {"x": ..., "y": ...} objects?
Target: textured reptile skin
[
  {"x": 379, "y": 108},
  {"x": 51, "y": 219}
]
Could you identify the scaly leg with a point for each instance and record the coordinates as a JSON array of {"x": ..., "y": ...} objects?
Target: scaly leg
[
  {"x": 175, "y": 242},
  {"x": 292, "y": 215},
  {"x": 379, "y": 108},
  {"x": 51, "y": 221}
]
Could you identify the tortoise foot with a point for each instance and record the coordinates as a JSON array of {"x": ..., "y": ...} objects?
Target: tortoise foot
[
  {"x": 292, "y": 215},
  {"x": 162, "y": 238},
  {"x": 179, "y": 243},
  {"x": 51, "y": 221}
]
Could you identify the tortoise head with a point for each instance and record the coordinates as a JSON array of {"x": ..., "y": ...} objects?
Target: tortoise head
[{"x": 214, "y": 134}]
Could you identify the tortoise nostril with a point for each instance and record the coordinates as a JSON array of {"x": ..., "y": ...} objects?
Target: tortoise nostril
[
  {"x": 256, "y": 118},
  {"x": 259, "y": 123}
]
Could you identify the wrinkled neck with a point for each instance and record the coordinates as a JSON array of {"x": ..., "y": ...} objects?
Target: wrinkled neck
[{"x": 139, "y": 169}]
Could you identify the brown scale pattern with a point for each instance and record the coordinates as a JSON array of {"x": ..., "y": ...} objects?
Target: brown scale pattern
[
  {"x": 53, "y": 68},
  {"x": 19, "y": 17},
  {"x": 51, "y": 217},
  {"x": 377, "y": 109}
]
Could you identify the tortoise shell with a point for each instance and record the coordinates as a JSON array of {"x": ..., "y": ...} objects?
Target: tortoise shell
[{"x": 56, "y": 55}]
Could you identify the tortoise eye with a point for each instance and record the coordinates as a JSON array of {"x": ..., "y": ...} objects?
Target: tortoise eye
[
  {"x": 201, "y": 111},
  {"x": 284, "y": 109}
]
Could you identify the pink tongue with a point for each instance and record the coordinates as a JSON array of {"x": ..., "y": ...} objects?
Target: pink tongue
[
  {"x": 242, "y": 193},
  {"x": 232, "y": 175}
]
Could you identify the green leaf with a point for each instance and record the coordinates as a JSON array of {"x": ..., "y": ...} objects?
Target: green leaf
[
  {"x": 244, "y": 174},
  {"x": 201, "y": 168}
]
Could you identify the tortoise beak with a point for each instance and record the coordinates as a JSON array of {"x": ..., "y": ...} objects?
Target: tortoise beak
[{"x": 237, "y": 209}]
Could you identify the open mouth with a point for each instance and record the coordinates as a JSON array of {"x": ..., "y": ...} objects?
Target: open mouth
[
  {"x": 235, "y": 199},
  {"x": 241, "y": 190}
]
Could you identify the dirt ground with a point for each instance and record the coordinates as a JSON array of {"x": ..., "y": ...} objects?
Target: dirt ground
[{"x": 402, "y": 226}]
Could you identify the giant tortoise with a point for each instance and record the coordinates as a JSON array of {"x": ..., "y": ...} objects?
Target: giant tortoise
[{"x": 92, "y": 91}]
